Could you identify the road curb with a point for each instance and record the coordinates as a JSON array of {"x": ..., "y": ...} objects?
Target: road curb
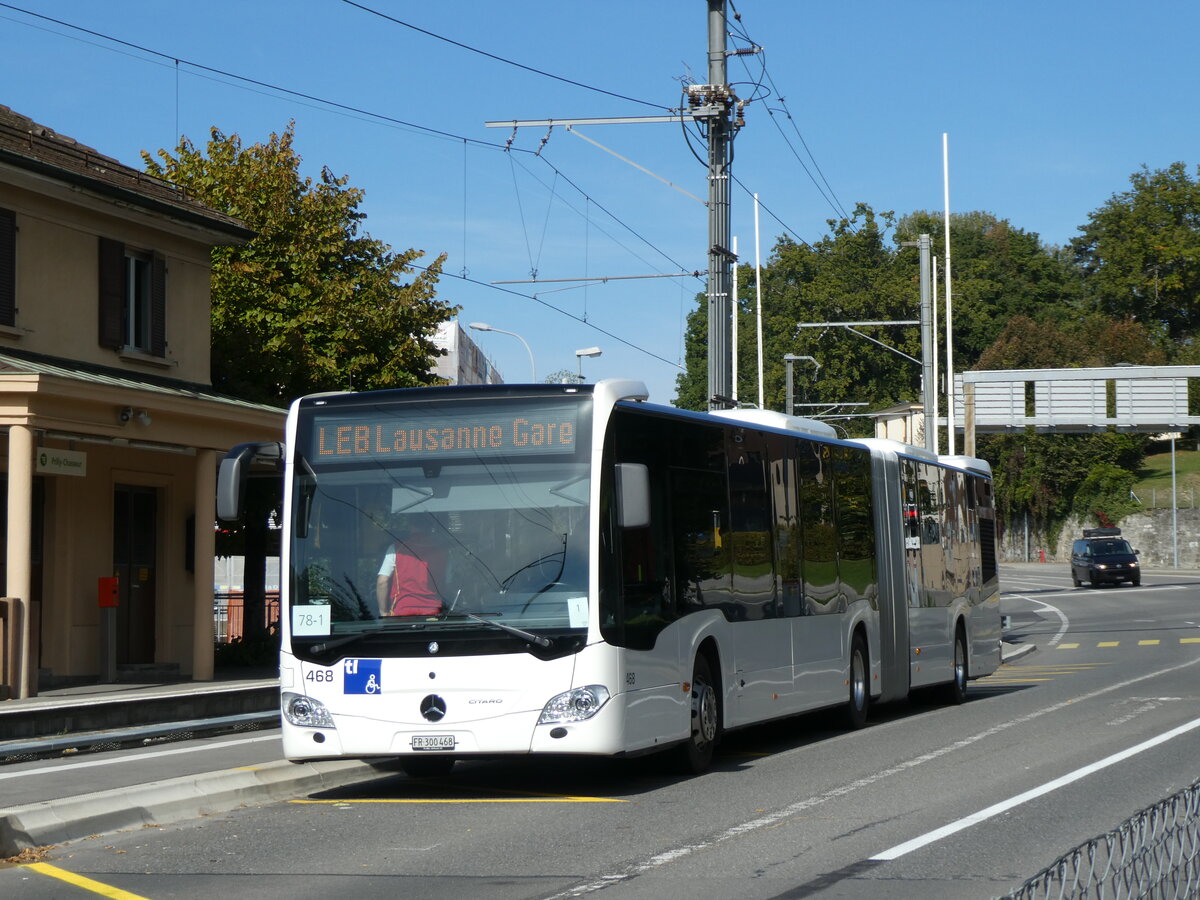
[
  {"x": 173, "y": 800},
  {"x": 1016, "y": 651}
]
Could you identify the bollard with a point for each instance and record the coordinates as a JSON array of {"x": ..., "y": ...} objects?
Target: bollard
[{"x": 108, "y": 597}]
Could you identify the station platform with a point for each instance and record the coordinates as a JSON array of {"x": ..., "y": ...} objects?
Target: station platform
[{"x": 94, "y": 717}]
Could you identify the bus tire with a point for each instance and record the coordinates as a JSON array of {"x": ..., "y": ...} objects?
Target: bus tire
[
  {"x": 696, "y": 754},
  {"x": 426, "y": 766},
  {"x": 859, "y": 701},
  {"x": 955, "y": 693}
]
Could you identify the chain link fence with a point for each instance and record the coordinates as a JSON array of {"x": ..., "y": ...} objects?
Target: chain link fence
[{"x": 1155, "y": 855}]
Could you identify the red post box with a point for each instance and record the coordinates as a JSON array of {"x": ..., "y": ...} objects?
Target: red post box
[{"x": 108, "y": 591}]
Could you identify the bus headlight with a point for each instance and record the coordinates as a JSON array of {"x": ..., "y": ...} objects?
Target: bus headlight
[
  {"x": 302, "y": 710},
  {"x": 575, "y": 705}
]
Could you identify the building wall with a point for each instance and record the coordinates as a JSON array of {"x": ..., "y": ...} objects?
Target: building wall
[
  {"x": 62, "y": 387},
  {"x": 79, "y": 532},
  {"x": 58, "y": 285},
  {"x": 464, "y": 362}
]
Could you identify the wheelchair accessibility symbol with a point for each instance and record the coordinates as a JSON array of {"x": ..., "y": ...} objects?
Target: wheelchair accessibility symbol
[{"x": 362, "y": 676}]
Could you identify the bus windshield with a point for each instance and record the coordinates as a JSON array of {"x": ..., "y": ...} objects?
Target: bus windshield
[{"x": 411, "y": 520}]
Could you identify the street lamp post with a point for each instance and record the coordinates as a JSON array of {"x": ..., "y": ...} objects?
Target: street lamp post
[
  {"x": 483, "y": 326},
  {"x": 580, "y": 354}
]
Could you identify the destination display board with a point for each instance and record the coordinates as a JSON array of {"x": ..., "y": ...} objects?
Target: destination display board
[{"x": 418, "y": 432}]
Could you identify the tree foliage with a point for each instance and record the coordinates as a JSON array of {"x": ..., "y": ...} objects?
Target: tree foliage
[
  {"x": 860, "y": 272},
  {"x": 1140, "y": 251},
  {"x": 851, "y": 274},
  {"x": 1051, "y": 476},
  {"x": 310, "y": 303},
  {"x": 1018, "y": 303}
]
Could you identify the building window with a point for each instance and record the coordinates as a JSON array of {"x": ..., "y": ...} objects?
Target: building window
[
  {"x": 132, "y": 299},
  {"x": 8, "y": 268}
]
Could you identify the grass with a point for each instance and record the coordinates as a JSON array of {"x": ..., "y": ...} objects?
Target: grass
[{"x": 1153, "y": 486}]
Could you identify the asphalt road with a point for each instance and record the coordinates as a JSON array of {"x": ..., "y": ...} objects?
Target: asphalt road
[{"x": 928, "y": 802}]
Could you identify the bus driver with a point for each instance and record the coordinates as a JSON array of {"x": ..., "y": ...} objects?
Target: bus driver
[{"x": 405, "y": 585}]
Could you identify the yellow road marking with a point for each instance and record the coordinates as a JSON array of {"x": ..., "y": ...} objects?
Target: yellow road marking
[
  {"x": 1109, "y": 644},
  {"x": 1148, "y": 643},
  {"x": 443, "y": 800},
  {"x": 1189, "y": 640},
  {"x": 87, "y": 884},
  {"x": 1068, "y": 646}
]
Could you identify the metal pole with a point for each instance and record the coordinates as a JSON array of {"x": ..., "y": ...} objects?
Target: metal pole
[
  {"x": 790, "y": 409},
  {"x": 758, "y": 305},
  {"x": 928, "y": 388},
  {"x": 719, "y": 138},
  {"x": 949, "y": 303},
  {"x": 933, "y": 268},
  {"x": 1174, "y": 508},
  {"x": 733, "y": 328}
]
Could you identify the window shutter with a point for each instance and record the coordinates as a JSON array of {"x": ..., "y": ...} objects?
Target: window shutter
[
  {"x": 112, "y": 294},
  {"x": 158, "y": 305},
  {"x": 8, "y": 267}
]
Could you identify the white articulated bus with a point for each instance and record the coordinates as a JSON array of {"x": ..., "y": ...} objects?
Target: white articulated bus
[{"x": 497, "y": 570}]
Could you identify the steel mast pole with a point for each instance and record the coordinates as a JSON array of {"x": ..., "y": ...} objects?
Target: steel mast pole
[
  {"x": 720, "y": 137},
  {"x": 928, "y": 385}
]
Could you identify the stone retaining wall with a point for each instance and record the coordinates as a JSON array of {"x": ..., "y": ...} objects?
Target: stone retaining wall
[{"x": 1155, "y": 534}]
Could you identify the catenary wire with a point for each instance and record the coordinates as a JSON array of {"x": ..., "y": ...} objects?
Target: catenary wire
[
  {"x": 212, "y": 72},
  {"x": 502, "y": 59},
  {"x": 536, "y": 299}
]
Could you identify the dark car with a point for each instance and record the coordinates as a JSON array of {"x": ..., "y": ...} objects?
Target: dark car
[{"x": 1102, "y": 555}]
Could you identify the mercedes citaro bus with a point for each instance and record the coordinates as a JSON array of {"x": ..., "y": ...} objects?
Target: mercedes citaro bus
[{"x": 601, "y": 575}]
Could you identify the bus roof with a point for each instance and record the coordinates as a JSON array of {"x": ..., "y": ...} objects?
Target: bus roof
[{"x": 767, "y": 418}]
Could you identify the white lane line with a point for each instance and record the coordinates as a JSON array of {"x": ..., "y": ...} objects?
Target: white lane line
[
  {"x": 671, "y": 855},
  {"x": 139, "y": 757},
  {"x": 998, "y": 808},
  {"x": 1054, "y": 609}
]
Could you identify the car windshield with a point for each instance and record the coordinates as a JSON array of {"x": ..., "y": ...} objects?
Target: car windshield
[
  {"x": 1111, "y": 548},
  {"x": 483, "y": 542}
]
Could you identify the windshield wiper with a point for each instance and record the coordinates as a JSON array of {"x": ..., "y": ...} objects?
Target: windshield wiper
[
  {"x": 538, "y": 639},
  {"x": 340, "y": 642}
]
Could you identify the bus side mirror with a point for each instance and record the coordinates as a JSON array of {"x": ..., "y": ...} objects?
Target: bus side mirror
[
  {"x": 231, "y": 477},
  {"x": 633, "y": 495}
]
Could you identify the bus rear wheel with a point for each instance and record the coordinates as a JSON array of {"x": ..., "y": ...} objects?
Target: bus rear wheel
[
  {"x": 859, "y": 701},
  {"x": 696, "y": 754},
  {"x": 956, "y": 691}
]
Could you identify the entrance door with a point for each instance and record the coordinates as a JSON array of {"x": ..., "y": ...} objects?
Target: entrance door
[{"x": 135, "y": 515}]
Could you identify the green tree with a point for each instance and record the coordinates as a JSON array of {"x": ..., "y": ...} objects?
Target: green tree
[
  {"x": 999, "y": 272},
  {"x": 852, "y": 274},
  {"x": 309, "y": 304},
  {"x": 1051, "y": 476},
  {"x": 1140, "y": 251}
]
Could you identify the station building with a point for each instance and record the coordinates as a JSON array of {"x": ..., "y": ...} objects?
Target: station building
[{"x": 110, "y": 429}]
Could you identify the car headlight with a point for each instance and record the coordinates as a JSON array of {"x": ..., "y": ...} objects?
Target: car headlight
[
  {"x": 575, "y": 705},
  {"x": 301, "y": 710},
  {"x": 1101, "y": 566},
  {"x": 1133, "y": 565}
]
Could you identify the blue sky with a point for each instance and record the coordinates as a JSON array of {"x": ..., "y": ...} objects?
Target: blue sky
[{"x": 1049, "y": 107}]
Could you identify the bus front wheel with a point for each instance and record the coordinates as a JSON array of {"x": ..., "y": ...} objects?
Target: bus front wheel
[{"x": 697, "y": 752}]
